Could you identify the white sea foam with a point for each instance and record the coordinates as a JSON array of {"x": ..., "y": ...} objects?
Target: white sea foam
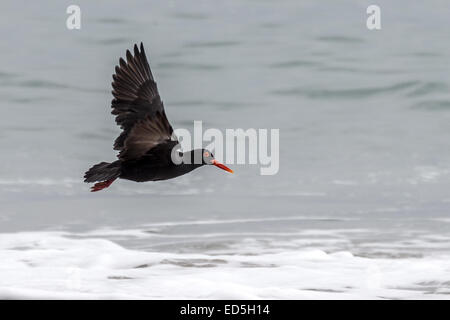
[
  {"x": 52, "y": 265},
  {"x": 248, "y": 220}
]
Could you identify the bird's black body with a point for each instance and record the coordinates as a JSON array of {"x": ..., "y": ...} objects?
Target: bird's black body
[
  {"x": 147, "y": 146},
  {"x": 150, "y": 169}
]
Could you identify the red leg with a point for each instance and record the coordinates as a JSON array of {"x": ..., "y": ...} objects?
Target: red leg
[{"x": 102, "y": 185}]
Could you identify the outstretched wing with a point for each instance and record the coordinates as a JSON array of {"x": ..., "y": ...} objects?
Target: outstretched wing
[
  {"x": 138, "y": 107},
  {"x": 135, "y": 93}
]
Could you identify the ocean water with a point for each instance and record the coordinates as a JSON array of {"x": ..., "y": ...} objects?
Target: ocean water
[{"x": 360, "y": 208}]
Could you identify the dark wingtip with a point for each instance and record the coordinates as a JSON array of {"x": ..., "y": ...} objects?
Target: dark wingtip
[{"x": 129, "y": 56}]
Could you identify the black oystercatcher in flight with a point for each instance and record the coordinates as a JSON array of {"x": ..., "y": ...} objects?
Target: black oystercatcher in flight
[{"x": 147, "y": 140}]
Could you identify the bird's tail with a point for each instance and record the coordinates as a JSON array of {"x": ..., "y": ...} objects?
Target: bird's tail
[{"x": 104, "y": 172}]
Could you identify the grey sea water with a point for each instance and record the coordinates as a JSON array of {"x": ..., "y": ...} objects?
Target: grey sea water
[{"x": 364, "y": 133}]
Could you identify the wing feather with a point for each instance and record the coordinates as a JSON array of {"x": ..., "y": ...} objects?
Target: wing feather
[
  {"x": 137, "y": 106},
  {"x": 147, "y": 134}
]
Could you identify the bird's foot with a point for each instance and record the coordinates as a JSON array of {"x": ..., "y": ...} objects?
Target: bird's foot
[{"x": 102, "y": 185}]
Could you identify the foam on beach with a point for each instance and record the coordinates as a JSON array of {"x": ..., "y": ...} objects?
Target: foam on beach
[{"x": 58, "y": 266}]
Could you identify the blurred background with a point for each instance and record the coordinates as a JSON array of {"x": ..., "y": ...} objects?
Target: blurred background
[{"x": 364, "y": 126}]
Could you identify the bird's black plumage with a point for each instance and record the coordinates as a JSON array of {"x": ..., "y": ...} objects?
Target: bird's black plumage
[
  {"x": 136, "y": 96},
  {"x": 147, "y": 142}
]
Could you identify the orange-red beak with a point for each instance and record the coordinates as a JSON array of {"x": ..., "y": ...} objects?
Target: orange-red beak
[{"x": 221, "y": 166}]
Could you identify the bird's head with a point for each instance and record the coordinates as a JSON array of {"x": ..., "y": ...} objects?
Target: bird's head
[{"x": 208, "y": 159}]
